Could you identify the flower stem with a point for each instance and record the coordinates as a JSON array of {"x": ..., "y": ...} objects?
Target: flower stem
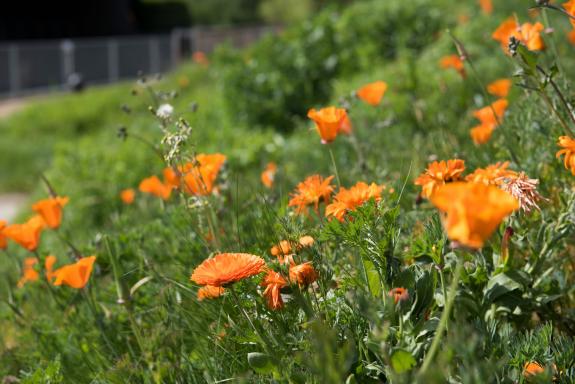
[
  {"x": 334, "y": 167},
  {"x": 444, "y": 318}
]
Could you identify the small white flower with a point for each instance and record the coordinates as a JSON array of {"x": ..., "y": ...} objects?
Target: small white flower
[{"x": 165, "y": 111}]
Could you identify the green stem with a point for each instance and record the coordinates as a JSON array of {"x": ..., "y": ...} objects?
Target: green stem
[
  {"x": 444, "y": 318},
  {"x": 334, "y": 167}
]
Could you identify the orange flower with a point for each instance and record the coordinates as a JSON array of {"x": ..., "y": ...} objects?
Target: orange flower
[
  {"x": 439, "y": 173},
  {"x": 486, "y": 6},
  {"x": 49, "y": 265},
  {"x": 227, "y": 268},
  {"x": 128, "y": 196},
  {"x": 531, "y": 36},
  {"x": 171, "y": 178},
  {"x": 399, "y": 294},
  {"x": 345, "y": 127},
  {"x": 500, "y": 87},
  {"x": 349, "y": 199},
  {"x": 568, "y": 145},
  {"x": 273, "y": 282},
  {"x": 200, "y": 177},
  {"x": 28, "y": 271},
  {"x": 453, "y": 61},
  {"x": 509, "y": 28},
  {"x": 532, "y": 368},
  {"x": 328, "y": 122},
  {"x": 28, "y": 234},
  {"x": 268, "y": 175},
  {"x": 492, "y": 174},
  {"x": 154, "y": 186},
  {"x": 210, "y": 292},
  {"x": 302, "y": 274},
  {"x": 481, "y": 134},
  {"x": 200, "y": 58},
  {"x": 75, "y": 275},
  {"x": 372, "y": 93},
  {"x": 3, "y": 242},
  {"x": 306, "y": 241},
  {"x": 473, "y": 211},
  {"x": 570, "y": 9},
  {"x": 492, "y": 114},
  {"x": 571, "y": 36},
  {"x": 310, "y": 191},
  {"x": 281, "y": 250},
  {"x": 51, "y": 210}
]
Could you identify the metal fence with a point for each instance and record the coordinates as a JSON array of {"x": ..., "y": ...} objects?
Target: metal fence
[{"x": 40, "y": 66}]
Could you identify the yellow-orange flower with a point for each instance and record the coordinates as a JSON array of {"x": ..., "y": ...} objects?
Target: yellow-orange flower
[
  {"x": 227, "y": 268},
  {"x": 49, "y": 267},
  {"x": 28, "y": 234},
  {"x": 568, "y": 145},
  {"x": 531, "y": 36},
  {"x": 75, "y": 275},
  {"x": 268, "y": 175},
  {"x": 3, "y": 242},
  {"x": 303, "y": 274},
  {"x": 128, "y": 196},
  {"x": 154, "y": 186},
  {"x": 453, "y": 61},
  {"x": 493, "y": 174},
  {"x": 200, "y": 177},
  {"x": 532, "y": 368},
  {"x": 349, "y": 199},
  {"x": 500, "y": 87},
  {"x": 328, "y": 122},
  {"x": 473, "y": 211},
  {"x": 492, "y": 114},
  {"x": 399, "y": 294},
  {"x": 571, "y": 36},
  {"x": 509, "y": 28},
  {"x": 171, "y": 177},
  {"x": 481, "y": 134},
  {"x": 570, "y": 9},
  {"x": 372, "y": 93},
  {"x": 273, "y": 282},
  {"x": 439, "y": 173},
  {"x": 200, "y": 58},
  {"x": 281, "y": 250},
  {"x": 346, "y": 127},
  {"x": 310, "y": 192},
  {"x": 51, "y": 210},
  {"x": 486, "y": 6},
  {"x": 306, "y": 241},
  {"x": 210, "y": 292},
  {"x": 28, "y": 272}
]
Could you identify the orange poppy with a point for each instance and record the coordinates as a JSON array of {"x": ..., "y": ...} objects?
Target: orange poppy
[
  {"x": 306, "y": 241},
  {"x": 492, "y": 114},
  {"x": 48, "y": 266},
  {"x": 128, "y": 196},
  {"x": 399, "y": 294},
  {"x": 3, "y": 242},
  {"x": 227, "y": 268},
  {"x": 486, "y": 6},
  {"x": 570, "y": 9},
  {"x": 571, "y": 36},
  {"x": 28, "y": 271},
  {"x": 281, "y": 250},
  {"x": 28, "y": 234},
  {"x": 273, "y": 282},
  {"x": 500, "y": 87},
  {"x": 531, "y": 36},
  {"x": 439, "y": 173},
  {"x": 453, "y": 61},
  {"x": 349, "y": 199},
  {"x": 372, "y": 93},
  {"x": 200, "y": 177},
  {"x": 268, "y": 175},
  {"x": 210, "y": 292},
  {"x": 473, "y": 211},
  {"x": 200, "y": 58},
  {"x": 154, "y": 186},
  {"x": 75, "y": 275},
  {"x": 311, "y": 191},
  {"x": 532, "y": 368},
  {"x": 328, "y": 122},
  {"x": 492, "y": 174},
  {"x": 51, "y": 210},
  {"x": 481, "y": 134},
  {"x": 171, "y": 178},
  {"x": 345, "y": 127},
  {"x": 509, "y": 28},
  {"x": 568, "y": 145},
  {"x": 303, "y": 274}
]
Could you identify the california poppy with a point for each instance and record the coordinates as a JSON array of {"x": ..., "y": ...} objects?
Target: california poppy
[
  {"x": 200, "y": 58},
  {"x": 268, "y": 175},
  {"x": 154, "y": 186},
  {"x": 200, "y": 176},
  {"x": 310, "y": 192},
  {"x": 273, "y": 282},
  {"x": 303, "y": 274},
  {"x": 128, "y": 196},
  {"x": 472, "y": 210},
  {"x": 492, "y": 114},
  {"x": 28, "y": 234},
  {"x": 306, "y": 241},
  {"x": 210, "y": 292},
  {"x": 439, "y": 173},
  {"x": 49, "y": 267},
  {"x": 75, "y": 275},
  {"x": 532, "y": 368},
  {"x": 486, "y": 6},
  {"x": 3, "y": 242},
  {"x": 509, "y": 28},
  {"x": 346, "y": 127},
  {"x": 570, "y": 9},
  {"x": 28, "y": 272},
  {"x": 500, "y": 87},
  {"x": 349, "y": 199},
  {"x": 568, "y": 145},
  {"x": 453, "y": 61},
  {"x": 51, "y": 210},
  {"x": 492, "y": 174},
  {"x": 282, "y": 251},
  {"x": 227, "y": 268},
  {"x": 372, "y": 93},
  {"x": 481, "y": 134},
  {"x": 171, "y": 177},
  {"x": 527, "y": 33},
  {"x": 531, "y": 36},
  {"x": 328, "y": 122},
  {"x": 571, "y": 36},
  {"x": 399, "y": 294}
]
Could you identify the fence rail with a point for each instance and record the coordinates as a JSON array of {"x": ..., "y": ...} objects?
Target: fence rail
[{"x": 40, "y": 66}]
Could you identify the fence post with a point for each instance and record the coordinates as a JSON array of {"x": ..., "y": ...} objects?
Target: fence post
[
  {"x": 113, "y": 61},
  {"x": 14, "y": 69},
  {"x": 68, "y": 64},
  {"x": 154, "y": 49}
]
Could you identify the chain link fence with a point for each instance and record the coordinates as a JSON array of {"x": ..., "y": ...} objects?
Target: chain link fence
[{"x": 42, "y": 66}]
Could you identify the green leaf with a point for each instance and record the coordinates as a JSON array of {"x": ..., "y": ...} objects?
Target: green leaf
[
  {"x": 500, "y": 285},
  {"x": 372, "y": 278},
  {"x": 260, "y": 362},
  {"x": 402, "y": 361}
]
